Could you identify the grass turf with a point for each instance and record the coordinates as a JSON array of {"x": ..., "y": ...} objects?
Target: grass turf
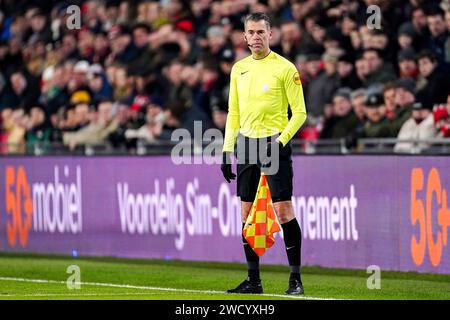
[{"x": 112, "y": 278}]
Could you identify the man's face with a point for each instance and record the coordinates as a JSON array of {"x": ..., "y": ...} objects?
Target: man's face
[
  {"x": 290, "y": 32},
  {"x": 362, "y": 68},
  {"x": 408, "y": 67},
  {"x": 358, "y": 105},
  {"x": 426, "y": 67},
  {"x": 18, "y": 82},
  {"x": 420, "y": 115},
  {"x": 389, "y": 99},
  {"x": 436, "y": 25},
  {"x": 403, "y": 97},
  {"x": 373, "y": 60},
  {"x": 313, "y": 67},
  {"x": 375, "y": 114},
  {"x": 37, "y": 23},
  {"x": 342, "y": 106},
  {"x": 344, "y": 68},
  {"x": 140, "y": 37},
  {"x": 379, "y": 41},
  {"x": 405, "y": 40},
  {"x": 419, "y": 19},
  {"x": 258, "y": 36}
]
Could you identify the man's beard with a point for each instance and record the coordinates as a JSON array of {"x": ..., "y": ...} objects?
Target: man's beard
[{"x": 418, "y": 120}]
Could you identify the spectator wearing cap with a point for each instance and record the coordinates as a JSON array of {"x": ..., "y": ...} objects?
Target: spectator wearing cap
[
  {"x": 77, "y": 87},
  {"x": 216, "y": 40},
  {"x": 80, "y": 72},
  {"x": 419, "y": 126},
  {"x": 377, "y": 125},
  {"x": 53, "y": 89},
  {"x": 438, "y": 32},
  {"x": 405, "y": 96},
  {"x": 405, "y": 36},
  {"x": 379, "y": 71},
  {"x": 437, "y": 81},
  {"x": 98, "y": 84},
  {"x": 343, "y": 121},
  {"x": 407, "y": 63}
]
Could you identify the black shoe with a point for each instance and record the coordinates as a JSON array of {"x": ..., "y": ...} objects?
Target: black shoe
[
  {"x": 248, "y": 286},
  {"x": 295, "y": 287}
]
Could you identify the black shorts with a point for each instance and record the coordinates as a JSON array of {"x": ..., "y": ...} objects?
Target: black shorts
[{"x": 249, "y": 172}]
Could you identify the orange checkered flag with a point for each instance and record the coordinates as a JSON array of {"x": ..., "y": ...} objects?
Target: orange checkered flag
[{"x": 261, "y": 222}]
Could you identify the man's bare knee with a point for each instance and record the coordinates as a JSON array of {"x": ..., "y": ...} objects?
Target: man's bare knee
[
  {"x": 245, "y": 210},
  {"x": 284, "y": 210}
]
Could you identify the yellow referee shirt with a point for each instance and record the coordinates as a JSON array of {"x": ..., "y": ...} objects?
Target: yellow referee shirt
[{"x": 260, "y": 93}]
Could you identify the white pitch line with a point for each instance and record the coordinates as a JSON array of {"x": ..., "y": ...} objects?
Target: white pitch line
[
  {"x": 128, "y": 286},
  {"x": 78, "y": 294}
]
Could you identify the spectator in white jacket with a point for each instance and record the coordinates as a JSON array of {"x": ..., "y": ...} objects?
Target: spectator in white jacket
[{"x": 419, "y": 126}]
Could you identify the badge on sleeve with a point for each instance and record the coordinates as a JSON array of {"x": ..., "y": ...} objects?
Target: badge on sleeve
[{"x": 297, "y": 78}]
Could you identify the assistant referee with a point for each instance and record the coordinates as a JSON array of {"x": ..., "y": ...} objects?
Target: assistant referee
[{"x": 262, "y": 87}]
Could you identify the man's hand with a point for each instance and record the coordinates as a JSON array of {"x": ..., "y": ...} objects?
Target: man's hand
[{"x": 226, "y": 167}]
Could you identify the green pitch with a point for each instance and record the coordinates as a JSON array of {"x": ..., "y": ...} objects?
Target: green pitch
[{"x": 45, "y": 277}]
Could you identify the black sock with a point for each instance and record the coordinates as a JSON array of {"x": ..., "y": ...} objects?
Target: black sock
[
  {"x": 293, "y": 243},
  {"x": 252, "y": 260}
]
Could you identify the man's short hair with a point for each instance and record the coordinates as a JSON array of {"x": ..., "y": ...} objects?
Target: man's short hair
[
  {"x": 435, "y": 11},
  {"x": 258, "y": 16},
  {"x": 377, "y": 51},
  {"x": 141, "y": 25},
  {"x": 361, "y": 92},
  {"x": 427, "y": 54},
  {"x": 389, "y": 86}
]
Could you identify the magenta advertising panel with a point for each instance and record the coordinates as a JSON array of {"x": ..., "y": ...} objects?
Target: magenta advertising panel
[{"x": 354, "y": 211}]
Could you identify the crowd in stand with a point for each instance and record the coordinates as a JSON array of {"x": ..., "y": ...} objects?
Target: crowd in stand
[{"x": 138, "y": 70}]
